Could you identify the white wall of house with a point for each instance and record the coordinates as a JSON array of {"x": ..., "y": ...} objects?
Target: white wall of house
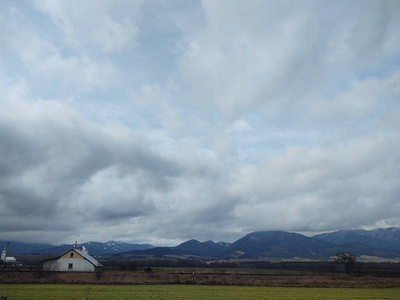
[
  {"x": 77, "y": 265},
  {"x": 70, "y": 261},
  {"x": 68, "y": 264}
]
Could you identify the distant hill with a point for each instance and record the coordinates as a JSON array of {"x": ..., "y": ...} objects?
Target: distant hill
[
  {"x": 206, "y": 249},
  {"x": 15, "y": 248},
  {"x": 281, "y": 244},
  {"x": 390, "y": 235},
  {"x": 156, "y": 251},
  {"x": 384, "y": 243},
  {"x": 361, "y": 249},
  {"x": 277, "y": 244},
  {"x": 110, "y": 247},
  {"x": 382, "y": 238},
  {"x": 191, "y": 247},
  {"x": 114, "y": 247},
  {"x": 266, "y": 244},
  {"x": 219, "y": 246}
]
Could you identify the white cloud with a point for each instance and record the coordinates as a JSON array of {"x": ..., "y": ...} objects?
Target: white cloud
[
  {"x": 275, "y": 55},
  {"x": 107, "y": 26},
  {"x": 241, "y": 116},
  {"x": 341, "y": 186},
  {"x": 44, "y": 61},
  {"x": 59, "y": 167}
]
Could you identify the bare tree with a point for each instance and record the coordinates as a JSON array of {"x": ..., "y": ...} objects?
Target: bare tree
[
  {"x": 51, "y": 265},
  {"x": 99, "y": 272},
  {"x": 347, "y": 259}
]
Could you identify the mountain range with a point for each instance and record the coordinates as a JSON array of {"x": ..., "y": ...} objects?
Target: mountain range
[
  {"x": 276, "y": 244},
  {"x": 383, "y": 243},
  {"x": 110, "y": 247},
  {"x": 256, "y": 245},
  {"x": 388, "y": 238}
]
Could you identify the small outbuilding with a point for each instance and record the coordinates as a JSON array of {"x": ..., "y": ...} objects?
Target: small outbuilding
[{"x": 75, "y": 260}]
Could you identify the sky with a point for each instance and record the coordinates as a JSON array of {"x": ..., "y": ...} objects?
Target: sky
[{"x": 161, "y": 121}]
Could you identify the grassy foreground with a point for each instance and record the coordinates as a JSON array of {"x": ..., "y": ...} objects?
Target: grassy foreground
[{"x": 77, "y": 292}]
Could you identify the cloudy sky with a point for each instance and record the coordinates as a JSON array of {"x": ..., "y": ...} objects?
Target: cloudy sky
[{"x": 160, "y": 121}]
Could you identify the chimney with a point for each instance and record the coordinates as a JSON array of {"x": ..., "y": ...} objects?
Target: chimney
[{"x": 76, "y": 244}]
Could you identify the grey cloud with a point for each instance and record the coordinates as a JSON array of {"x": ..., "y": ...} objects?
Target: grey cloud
[
  {"x": 298, "y": 131},
  {"x": 341, "y": 186},
  {"x": 92, "y": 176},
  {"x": 120, "y": 213},
  {"x": 73, "y": 171},
  {"x": 242, "y": 60},
  {"x": 47, "y": 169}
]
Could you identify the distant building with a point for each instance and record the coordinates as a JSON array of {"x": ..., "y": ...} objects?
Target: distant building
[
  {"x": 7, "y": 259},
  {"x": 75, "y": 260}
]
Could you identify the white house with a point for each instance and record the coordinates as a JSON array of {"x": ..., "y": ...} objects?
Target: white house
[{"x": 73, "y": 260}]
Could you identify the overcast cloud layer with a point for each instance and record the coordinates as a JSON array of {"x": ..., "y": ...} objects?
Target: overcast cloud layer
[{"x": 160, "y": 121}]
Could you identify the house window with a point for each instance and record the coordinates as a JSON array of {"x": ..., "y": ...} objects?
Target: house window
[
  {"x": 70, "y": 266},
  {"x": 71, "y": 254}
]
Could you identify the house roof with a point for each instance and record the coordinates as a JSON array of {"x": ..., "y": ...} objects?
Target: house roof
[
  {"x": 82, "y": 253},
  {"x": 86, "y": 256}
]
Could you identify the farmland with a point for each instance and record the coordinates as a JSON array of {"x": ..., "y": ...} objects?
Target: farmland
[
  {"x": 160, "y": 277},
  {"x": 44, "y": 291}
]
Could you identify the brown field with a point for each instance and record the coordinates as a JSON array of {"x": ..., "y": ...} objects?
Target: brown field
[{"x": 140, "y": 278}]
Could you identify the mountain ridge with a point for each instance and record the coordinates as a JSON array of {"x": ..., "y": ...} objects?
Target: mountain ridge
[
  {"x": 277, "y": 245},
  {"x": 109, "y": 247},
  {"x": 381, "y": 242},
  {"x": 381, "y": 238}
]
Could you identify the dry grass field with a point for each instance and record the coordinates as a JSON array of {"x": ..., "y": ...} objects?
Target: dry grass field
[{"x": 138, "y": 278}]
